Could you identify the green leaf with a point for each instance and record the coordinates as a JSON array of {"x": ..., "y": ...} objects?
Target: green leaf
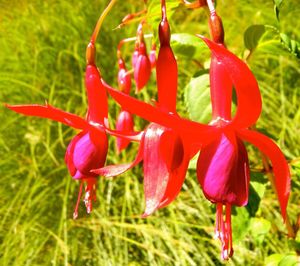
[
  {"x": 256, "y": 192},
  {"x": 197, "y": 98},
  {"x": 186, "y": 44},
  {"x": 252, "y": 36},
  {"x": 292, "y": 45}
]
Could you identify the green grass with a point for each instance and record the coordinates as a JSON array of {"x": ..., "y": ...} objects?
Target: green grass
[{"x": 42, "y": 57}]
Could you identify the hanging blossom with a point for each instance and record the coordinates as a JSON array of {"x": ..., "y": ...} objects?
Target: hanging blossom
[
  {"x": 125, "y": 123},
  {"x": 164, "y": 153},
  {"x": 88, "y": 149},
  {"x": 222, "y": 167}
]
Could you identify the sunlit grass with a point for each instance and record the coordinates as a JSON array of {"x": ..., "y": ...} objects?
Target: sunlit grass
[{"x": 42, "y": 49}]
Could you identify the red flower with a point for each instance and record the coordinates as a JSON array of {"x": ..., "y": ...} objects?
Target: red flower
[
  {"x": 164, "y": 152},
  {"x": 88, "y": 149},
  {"x": 222, "y": 168}
]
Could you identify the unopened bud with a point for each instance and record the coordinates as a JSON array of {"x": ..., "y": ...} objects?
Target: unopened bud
[
  {"x": 216, "y": 28},
  {"x": 90, "y": 54},
  {"x": 164, "y": 32}
]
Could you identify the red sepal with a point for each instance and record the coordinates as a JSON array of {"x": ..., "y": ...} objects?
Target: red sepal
[
  {"x": 247, "y": 90},
  {"x": 50, "y": 112},
  {"x": 280, "y": 167}
]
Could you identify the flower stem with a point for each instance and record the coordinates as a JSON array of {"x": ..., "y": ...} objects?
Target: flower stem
[
  {"x": 211, "y": 6},
  {"x": 100, "y": 20}
]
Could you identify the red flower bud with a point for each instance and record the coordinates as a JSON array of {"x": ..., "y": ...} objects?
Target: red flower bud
[
  {"x": 125, "y": 124},
  {"x": 142, "y": 70},
  {"x": 216, "y": 28},
  {"x": 124, "y": 78},
  {"x": 152, "y": 56},
  {"x": 135, "y": 55}
]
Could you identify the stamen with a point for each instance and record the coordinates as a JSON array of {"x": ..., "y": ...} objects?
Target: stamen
[
  {"x": 223, "y": 230},
  {"x": 90, "y": 194},
  {"x": 75, "y": 213}
]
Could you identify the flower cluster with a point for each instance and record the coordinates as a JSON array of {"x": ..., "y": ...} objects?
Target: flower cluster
[{"x": 169, "y": 142}]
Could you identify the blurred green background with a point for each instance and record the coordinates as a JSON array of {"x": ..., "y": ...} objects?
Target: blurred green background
[{"x": 42, "y": 57}]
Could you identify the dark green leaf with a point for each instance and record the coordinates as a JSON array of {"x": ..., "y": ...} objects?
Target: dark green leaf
[
  {"x": 256, "y": 192},
  {"x": 252, "y": 36},
  {"x": 277, "y": 4}
]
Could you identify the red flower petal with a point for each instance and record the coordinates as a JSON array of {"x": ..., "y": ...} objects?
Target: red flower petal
[
  {"x": 114, "y": 170},
  {"x": 97, "y": 98},
  {"x": 158, "y": 168},
  {"x": 50, "y": 112},
  {"x": 177, "y": 177},
  {"x": 220, "y": 90},
  {"x": 69, "y": 154},
  {"x": 223, "y": 170},
  {"x": 279, "y": 164},
  {"x": 132, "y": 136},
  {"x": 247, "y": 90}
]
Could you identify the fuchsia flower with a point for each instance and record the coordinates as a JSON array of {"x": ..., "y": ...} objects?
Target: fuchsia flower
[
  {"x": 88, "y": 149},
  {"x": 222, "y": 167},
  {"x": 162, "y": 149}
]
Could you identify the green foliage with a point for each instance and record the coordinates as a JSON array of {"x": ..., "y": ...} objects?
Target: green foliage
[
  {"x": 197, "y": 98},
  {"x": 292, "y": 45},
  {"x": 252, "y": 36}
]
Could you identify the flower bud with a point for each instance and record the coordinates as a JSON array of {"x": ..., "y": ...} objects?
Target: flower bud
[
  {"x": 90, "y": 54},
  {"x": 124, "y": 124},
  {"x": 164, "y": 32},
  {"x": 152, "y": 56},
  {"x": 216, "y": 28},
  {"x": 124, "y": 78},
  {"x": 142, "y": 70},
  {"x": 135, "y": 55}
]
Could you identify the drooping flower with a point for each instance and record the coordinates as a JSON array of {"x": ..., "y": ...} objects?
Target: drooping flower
[
  {"x": 88, "y": 149},
  {"x": 222, "y": 168},
  {"x": 164, "y": 153}
]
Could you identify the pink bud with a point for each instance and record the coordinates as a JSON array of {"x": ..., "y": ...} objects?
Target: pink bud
[
  {"x": 125, "y": 124},
  {"x": 135, "y": 55},
  {"x": 124, "y": 78},
  {"x": 142, "y": 70},
  {"x": 152, "y": 56}
]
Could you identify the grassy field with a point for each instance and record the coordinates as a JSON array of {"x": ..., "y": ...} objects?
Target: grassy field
[{"x": 42, "y": 57}]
